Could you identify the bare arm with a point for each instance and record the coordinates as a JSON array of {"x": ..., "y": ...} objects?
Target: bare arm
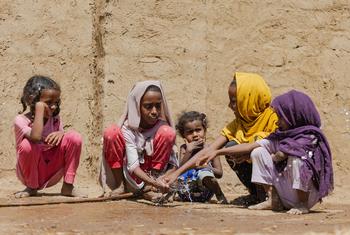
[
  {"x": 218, "y": 143},
  {"x": 190, "y": 148},
  {"x": 239, "y": 150},
  {"x": 184, "y": 155},
  {"x": 191, "y": 163},
  {"x": 148, "y": 180},
  {"x": 169, "y": 171},
  {"x": 38, "y": 124},
  {"x": 217, "y": 167}
]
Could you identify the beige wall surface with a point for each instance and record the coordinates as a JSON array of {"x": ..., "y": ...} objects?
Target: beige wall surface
[{"x": 97, "y": 49}]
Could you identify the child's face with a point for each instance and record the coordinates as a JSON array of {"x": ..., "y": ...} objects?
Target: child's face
[
  {"x": 194, "y": 131},
  {"x": 232, "y": 94},
  {"x": 150, "y": 108},
  {"x": 51, "y": 98},
  {"x": 282, "y": 124}
]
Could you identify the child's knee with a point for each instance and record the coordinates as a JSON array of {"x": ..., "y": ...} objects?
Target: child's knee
[
  {"x": 206, "y": 175},
  {"x": 166, "y": 133},
  {"x": 25, "y": 147},
  {"x": 257, "y": 153},
  {"x": 230, "y": 143},
  {"x": 209, "y": 179},
  {"x": 111, "y": 133},
  {"x": 74, "y": 138}
]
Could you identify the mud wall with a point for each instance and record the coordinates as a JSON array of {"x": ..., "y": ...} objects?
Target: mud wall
[{"x": 98, "y": 49}]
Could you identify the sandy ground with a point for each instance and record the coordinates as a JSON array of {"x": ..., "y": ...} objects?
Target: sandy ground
[
  {"x": 130, "y": 217},
  {"x": 135, "y": 216}
]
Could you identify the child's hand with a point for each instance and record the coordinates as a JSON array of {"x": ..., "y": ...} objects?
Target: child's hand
[
  {"x": 54, "y": 138},
  {"x": 207, "y": 157},
  {"x": 39, "y": 106},
  {"x": 278, "y": 156},
  {"x": 170, "y": 179},
  {"x": 194, "y": 145},
  {"x": 162, "y": 185}
]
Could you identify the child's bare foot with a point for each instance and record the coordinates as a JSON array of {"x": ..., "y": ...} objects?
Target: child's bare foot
[
  {"x": 165, "y": 198},
  {"x": 266, "y": 205},
  {"x": 104, "y": 194},
  {"x": 298, "y": 211},
  {"x": 117, "y": 191},
  {"x": 152, "y": 196},
  {"x": 177, "y": 198},
  {"x": 27, "y": 192},
  {"x": 246, "y": 200},
  {"x": 69, "y": 190},
  {"x": 221, "y": 199}
]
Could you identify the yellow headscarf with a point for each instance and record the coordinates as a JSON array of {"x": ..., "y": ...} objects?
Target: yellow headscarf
[{"x": 257, "y": 119}]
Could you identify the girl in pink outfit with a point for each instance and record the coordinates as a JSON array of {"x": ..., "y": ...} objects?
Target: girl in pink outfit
[
  {"x": 139, "y": 151},
  {"x": 44, "y": 152}
]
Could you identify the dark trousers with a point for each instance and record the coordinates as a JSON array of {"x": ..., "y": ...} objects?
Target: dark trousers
[{"x": 243, "y": 171}]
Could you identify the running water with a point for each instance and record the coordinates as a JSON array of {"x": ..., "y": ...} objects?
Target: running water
[
  {"x": 184, "y": 187},
  {"x": 180, "y": 187}
]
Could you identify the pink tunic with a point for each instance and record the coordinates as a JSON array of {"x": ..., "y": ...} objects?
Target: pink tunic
[{"x": 40, "y": 165}]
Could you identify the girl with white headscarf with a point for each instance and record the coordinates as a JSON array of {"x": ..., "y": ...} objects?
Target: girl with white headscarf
[{"x": 139, "y": 150}]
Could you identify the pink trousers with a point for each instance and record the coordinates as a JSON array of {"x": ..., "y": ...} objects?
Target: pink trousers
[
  {"x": 38, "y": 168},
  {"x": 114, "y": 148}
]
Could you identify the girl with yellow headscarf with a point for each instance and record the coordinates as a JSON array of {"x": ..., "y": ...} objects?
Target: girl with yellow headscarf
[
  {"x": 255, "y": 118},
  {"x": 250, "y": 99}
]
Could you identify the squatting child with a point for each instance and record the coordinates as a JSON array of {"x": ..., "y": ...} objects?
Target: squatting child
[
  {"x": 201, "y": 183},
  {"x": 45, "y": 152}
]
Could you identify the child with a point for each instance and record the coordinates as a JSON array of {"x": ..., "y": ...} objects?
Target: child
[
  {"x": 140, "y": 149},
  {"x": 249, "y": 99},
  {"x": 201, "y": 183},
  {"x": 44, "y": 152},
  {"x": 295, "y": 161}
]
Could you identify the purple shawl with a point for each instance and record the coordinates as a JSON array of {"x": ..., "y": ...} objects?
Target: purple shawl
[{"x": 304, "y": 122}]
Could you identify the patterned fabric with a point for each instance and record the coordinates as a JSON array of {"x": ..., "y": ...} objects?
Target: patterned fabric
[{"x": 191, "y": 188}]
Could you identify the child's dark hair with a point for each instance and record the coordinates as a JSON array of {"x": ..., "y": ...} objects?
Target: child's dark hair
[
  {"x": 233, "y": 82},
  {"x": 153, "y": 88},
  {"x": 32, "y": 92},
  {"x": 191, "y": 116}
]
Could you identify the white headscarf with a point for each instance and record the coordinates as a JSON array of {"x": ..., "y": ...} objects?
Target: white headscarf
[{"x": 132, "y": 109}]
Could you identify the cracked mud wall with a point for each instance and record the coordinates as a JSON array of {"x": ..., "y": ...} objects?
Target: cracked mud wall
[{"x": 98, "y": 49}]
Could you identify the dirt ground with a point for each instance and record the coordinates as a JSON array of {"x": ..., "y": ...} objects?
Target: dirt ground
[
  {"x": 130, "y": 217},
  {"x": 135, "y": 216},
  {"x": 96, "y": 50}
]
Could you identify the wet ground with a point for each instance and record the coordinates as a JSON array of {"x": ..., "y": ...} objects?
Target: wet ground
[{"x": 139, "y": 217}]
